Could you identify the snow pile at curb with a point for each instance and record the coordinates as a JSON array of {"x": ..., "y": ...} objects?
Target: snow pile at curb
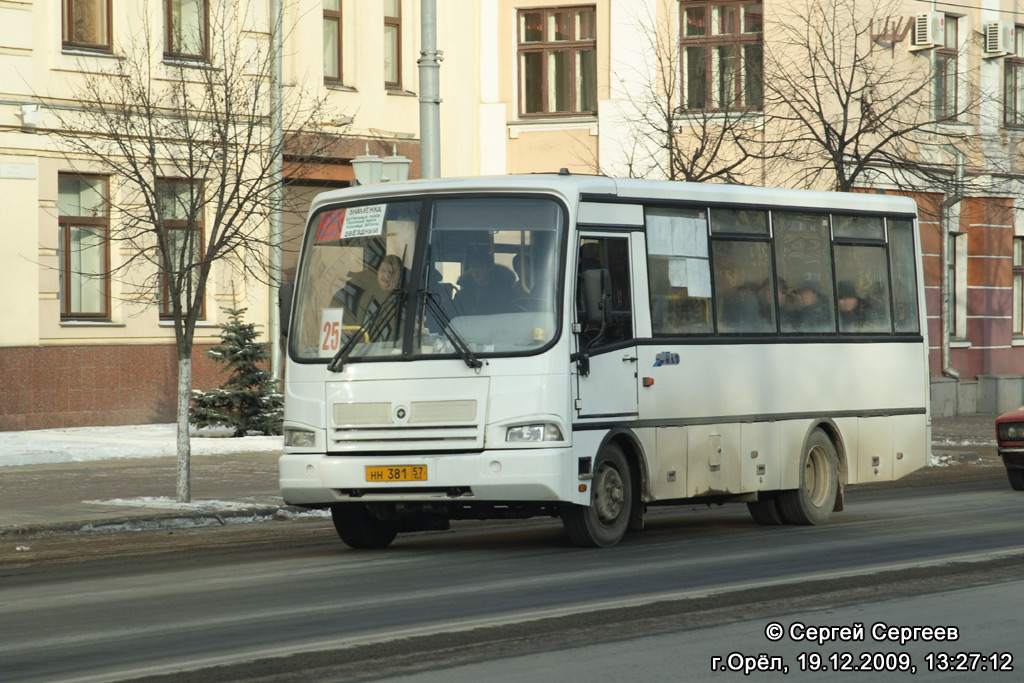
[{"x": 167, "y": 503}]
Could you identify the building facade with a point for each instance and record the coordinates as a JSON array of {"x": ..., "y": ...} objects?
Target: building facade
[
  {"x": 81, "y": 342},
  {"x": 679, "y": 85},
  {"x": 682, "y": 89}
]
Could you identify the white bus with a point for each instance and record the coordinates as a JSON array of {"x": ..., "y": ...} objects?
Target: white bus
[{"x": 587, "y": 347}]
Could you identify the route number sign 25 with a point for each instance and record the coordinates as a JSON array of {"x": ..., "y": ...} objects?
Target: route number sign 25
[{"x": 330, "y": 332}]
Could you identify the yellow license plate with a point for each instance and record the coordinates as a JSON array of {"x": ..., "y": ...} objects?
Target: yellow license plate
[{"x": 397, "y": 473}]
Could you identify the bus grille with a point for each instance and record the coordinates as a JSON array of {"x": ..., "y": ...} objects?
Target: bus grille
[
  {"x": 425, "y": 425},
  {"x": 393, "y": 438}
]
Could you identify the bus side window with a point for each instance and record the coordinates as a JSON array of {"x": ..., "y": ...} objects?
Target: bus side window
[
  {"x": 904, "y": 281},
  {"x": 611, "y": 253},
  {"x": 678, "y": 271},
  {"x": 746, "y": 291},
  {"x": 804, "y": 264},
  {"x": 863, "y": 288}
]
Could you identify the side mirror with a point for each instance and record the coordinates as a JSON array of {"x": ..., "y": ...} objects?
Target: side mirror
[
  {"x": 284, "y": 302},
  {"x": 597, "y": 297}
]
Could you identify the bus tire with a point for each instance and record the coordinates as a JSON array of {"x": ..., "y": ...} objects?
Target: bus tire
[
  {"x": 814, "y": 501},
  {"x": 603, "y": 523},
  {"x": 1016, "y": 478},
  {"x": 358, "y": 528},
  {"x": 766, "y": 511}
]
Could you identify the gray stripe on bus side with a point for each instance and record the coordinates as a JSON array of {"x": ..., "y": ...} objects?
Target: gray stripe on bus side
[{"x": 730, "y": 419}]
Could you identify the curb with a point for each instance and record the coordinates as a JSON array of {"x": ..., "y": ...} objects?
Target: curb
[{"x": 171, "y": 520}]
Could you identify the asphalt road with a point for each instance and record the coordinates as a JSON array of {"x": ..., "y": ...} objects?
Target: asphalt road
[
  {"x": 162, "y": 605},
  {"x": 987, "y": 647}
]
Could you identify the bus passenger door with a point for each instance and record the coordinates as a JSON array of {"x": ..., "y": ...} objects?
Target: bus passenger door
[{"x": 609, "y": 389}]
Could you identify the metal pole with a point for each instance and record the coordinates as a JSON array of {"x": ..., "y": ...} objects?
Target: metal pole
[
  {"x": 276, "y": 188},
  {"x": 430, "y": 93}
]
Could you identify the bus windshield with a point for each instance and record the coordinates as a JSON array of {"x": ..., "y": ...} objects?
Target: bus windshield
[{"x": 483, "y": 280}]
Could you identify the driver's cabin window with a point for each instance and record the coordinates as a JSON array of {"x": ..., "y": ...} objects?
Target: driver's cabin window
[{"x": 611, "y": 253}]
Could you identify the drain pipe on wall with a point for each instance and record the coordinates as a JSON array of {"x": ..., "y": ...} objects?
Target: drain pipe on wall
[{"x": 945, "y": 219}]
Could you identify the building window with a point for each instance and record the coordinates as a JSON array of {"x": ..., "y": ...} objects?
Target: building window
[
  {"x": 186, "y": 23},
  {"x": 86, "y": 23},
  {"x": 83, "y": 217},
  {"x": 722, "y": 54},
  {"x": 945, "y": 89},
  {"x": 1014, "y": 82},
  {"x": 180, "y": 204},
  {"x": 332, "y": 41},
  {"x": 1018, "y": 285},
  {"x": 558, "y": 61},
  {"x": 393, "y": 43}
]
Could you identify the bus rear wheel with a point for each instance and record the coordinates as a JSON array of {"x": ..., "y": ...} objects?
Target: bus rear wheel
[
  {"x": 359, "y": 528},
  {"x": 766, "y": 511},
  {"x": 603, "y": 523},
  {"x": 1016, "y": 478},
  {"x": 814, "y": 501}
]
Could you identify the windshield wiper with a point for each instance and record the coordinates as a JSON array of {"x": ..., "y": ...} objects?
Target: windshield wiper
[
  {"x": 370, "y": 328},
  {"x": 449, "y": 330}
]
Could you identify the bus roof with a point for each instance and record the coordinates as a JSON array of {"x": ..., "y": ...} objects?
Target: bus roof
[{"x": 603, "y": 188}]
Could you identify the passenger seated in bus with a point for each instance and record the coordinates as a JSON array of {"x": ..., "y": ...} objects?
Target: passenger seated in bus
[
  {"x": 861, "y": 311},
  {"x": 485, "y": 287},
  {"x": 804, "y": 310},
  {"x": 745, "y": 308},
  {"x": 850, "y": 315}
]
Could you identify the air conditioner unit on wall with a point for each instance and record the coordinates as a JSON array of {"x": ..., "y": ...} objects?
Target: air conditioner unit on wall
[
  {"x": 929, "y": 31},
  {"x": 1000, "y": 38}
]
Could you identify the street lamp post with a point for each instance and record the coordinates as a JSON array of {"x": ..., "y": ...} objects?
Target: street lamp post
[{"x": 430, "y": 92}]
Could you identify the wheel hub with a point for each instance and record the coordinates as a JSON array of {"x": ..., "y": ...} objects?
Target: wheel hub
[
  {"x": 609, "y": 494},
  {"x": 816, "y": 476}
]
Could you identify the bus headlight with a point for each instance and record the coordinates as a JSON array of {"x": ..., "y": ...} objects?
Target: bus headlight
[
  {"x": 1011, "y": 431},
  {"x": 299, "y": 438},
  {"x": 536, "y": 432}
]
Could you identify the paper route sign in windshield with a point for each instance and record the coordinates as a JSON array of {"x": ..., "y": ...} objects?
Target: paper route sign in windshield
[{"x": 358, "y": 221}]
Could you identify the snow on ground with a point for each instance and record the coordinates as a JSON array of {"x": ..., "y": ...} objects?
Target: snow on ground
[
  {"x": 166, "y": 503},
  {"x": 83, "y": 444},
  {"x": 963, "y": 441},
  {"x": 195, "y": 514}
]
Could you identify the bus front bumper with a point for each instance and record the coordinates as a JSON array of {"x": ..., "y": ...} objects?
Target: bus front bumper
[{"x": 535, "y": 474}]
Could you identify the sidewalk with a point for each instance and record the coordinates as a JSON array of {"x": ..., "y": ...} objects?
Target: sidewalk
[{"x": 107, "y": 479}]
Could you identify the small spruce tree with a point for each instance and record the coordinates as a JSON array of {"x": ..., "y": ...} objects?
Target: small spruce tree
[{"x": 248, "y": 401}]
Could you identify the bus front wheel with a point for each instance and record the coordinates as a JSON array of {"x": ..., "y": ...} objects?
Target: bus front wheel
[
  {"x": 814, "y": 501},
  {"x": 359, "y": 528},
  {"x": 603, "y": 522}
]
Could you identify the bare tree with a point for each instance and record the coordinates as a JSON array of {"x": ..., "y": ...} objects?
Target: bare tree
[
  {"x": 679, "y": 132},
  {"x": 191, "y": 155},
  {"x": 847, "y": 103}
]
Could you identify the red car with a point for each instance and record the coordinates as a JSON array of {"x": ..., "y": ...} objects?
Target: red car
[{"x": 1010, "y": 436}]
